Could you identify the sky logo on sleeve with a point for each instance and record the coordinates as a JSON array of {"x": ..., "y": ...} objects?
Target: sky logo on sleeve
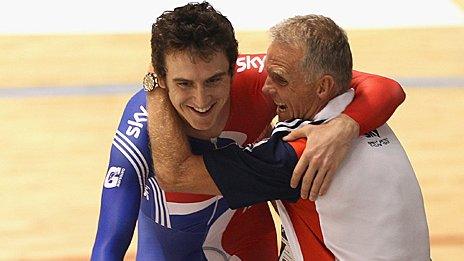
[
  {"x": 136, "y": 124},
  {"x": 113, "y": 177}
]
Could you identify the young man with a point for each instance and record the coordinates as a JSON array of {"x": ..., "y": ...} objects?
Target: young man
[
  {"x": 194, "y": 52},
  {"x": 374, "y": 208}
]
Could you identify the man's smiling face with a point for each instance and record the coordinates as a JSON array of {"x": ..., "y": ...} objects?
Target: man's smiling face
[{"x": 199, "y": 90}]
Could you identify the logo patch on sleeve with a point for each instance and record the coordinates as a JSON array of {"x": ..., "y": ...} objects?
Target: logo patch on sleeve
[{"x": 113, "y": 177}]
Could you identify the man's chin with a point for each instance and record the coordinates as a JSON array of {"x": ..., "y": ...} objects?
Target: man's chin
[
  {"x": 201, "y": 126},
  {"x": 281, "y": 118}
]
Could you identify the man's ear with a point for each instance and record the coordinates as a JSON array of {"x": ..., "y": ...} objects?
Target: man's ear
[
  {"x": 150, "y": 68},
  {"x": 162, "y": 82},
  {"x": 325, "y": 87}
]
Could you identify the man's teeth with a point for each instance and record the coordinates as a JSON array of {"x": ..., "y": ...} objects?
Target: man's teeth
[
  {"x": 281, "y": 105},
  {"x": 202, "y": 109}
]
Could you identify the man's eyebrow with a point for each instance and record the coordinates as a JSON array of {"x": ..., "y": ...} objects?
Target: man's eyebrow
[
  {"x": 180, "y": 79},
  {"x": 276, "y": 72},
  {"x": 219, "y": 74}
]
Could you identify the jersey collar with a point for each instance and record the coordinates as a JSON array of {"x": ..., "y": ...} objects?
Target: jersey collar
[{"x": 335, "y": 106}]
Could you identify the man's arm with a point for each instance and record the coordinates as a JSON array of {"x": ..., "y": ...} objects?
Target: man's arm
[
  {"x": 176, "y": 168},
  {"x": 120, "y": 201},
  {"x": 376, "y": 99},
  {"x": 325, "y": 157},
  {"x": 243, "y": 176},
  {"x": 118, "y": 213}
]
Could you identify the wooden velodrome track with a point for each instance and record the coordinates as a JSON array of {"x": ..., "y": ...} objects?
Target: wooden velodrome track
[{"x": 54, "y": 149}]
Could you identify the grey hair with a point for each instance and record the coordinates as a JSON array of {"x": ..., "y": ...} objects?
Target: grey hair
[{"x": 325, "y": 47}]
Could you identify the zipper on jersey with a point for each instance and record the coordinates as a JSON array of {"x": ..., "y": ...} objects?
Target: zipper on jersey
[{"x": 214, "y": 141}]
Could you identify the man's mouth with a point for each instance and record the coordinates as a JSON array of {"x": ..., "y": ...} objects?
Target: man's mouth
[
  {"x": 202, "y": 110},
  {"x": 281, "y": 107}
]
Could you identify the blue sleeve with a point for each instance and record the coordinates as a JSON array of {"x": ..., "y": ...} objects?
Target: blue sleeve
[
  {"x": 124, "y": 183},
  {"x": 254, "y": 174}
]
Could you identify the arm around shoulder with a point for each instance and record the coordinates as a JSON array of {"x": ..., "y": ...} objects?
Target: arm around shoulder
[
  {"x": 176, "y": 168},
  {"x": 376, "y": 100}
]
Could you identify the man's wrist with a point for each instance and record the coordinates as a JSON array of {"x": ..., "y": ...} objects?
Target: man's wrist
[{"x": 351, "y": 125}]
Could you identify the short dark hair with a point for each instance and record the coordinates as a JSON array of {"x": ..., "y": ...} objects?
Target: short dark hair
[{"x": 197, "y": 28}]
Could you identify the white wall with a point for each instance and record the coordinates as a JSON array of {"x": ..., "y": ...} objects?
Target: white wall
[{"x": 95, "y": 16}]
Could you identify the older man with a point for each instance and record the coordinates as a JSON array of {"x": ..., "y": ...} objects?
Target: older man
[{"x": 374, "y": 208}]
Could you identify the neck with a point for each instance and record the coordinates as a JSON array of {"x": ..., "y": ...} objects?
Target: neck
[{"x": 315, "y": 108}]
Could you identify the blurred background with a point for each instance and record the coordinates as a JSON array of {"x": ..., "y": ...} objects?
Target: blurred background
[{"x": 67, "y": 68}]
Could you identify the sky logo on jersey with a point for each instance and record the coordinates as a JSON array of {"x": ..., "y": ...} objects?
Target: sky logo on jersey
[
  {"x": 136, "y": 124},
  {"x": 114, "y": 177},
  {"x": 248, "y": 62}
]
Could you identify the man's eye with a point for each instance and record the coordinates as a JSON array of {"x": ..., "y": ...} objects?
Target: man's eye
[
  {"x": 183, "y": 84},
  {"x": 280, "y": 80},
  {"x": 213, "y": 81}
]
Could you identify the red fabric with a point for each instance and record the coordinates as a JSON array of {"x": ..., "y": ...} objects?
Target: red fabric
[
  {"x": 299, "y": 146},
  {"x": 250, "y": 108},
  {"x": 376, "y": 98},
  {"x": 249, "y": 230},
  {"x": 305, "y": 221},
  {"x": 185, "y": 197}
]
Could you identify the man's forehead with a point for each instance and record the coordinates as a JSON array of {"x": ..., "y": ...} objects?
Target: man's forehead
[
  {"x": 194, "y": 56},
  {"x": 282, "y": 55},
  {"x": 185, "y": 69}
]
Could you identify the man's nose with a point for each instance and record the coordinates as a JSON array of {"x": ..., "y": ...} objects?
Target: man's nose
[
  {"x": 201, "y": 96},
  {"x": 268, "y": 87}
]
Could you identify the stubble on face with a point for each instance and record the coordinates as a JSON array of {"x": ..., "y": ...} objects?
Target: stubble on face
[{"x": 199, "y": 90}]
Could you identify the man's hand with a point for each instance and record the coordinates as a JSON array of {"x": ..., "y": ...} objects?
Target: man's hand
[{"x": 326, "y": 147}]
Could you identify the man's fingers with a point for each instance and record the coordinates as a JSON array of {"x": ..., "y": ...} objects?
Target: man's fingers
[
  {"x": 318, "y": 180},
  {"x": 296, "y": 134},
  {"x": 308, "y": 180},
  {"x": 327, "y": 180},
  {"x": 299, "y": 170}
]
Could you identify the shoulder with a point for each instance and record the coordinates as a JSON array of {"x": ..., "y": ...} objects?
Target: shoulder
[
  {"x": 135, "y": 103},
  {"x": 135, "y": 116},
  {"x": 281, "y": 129},
  {"x": 131, "y": 137},
  {"x": 277, "y": 149}
]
